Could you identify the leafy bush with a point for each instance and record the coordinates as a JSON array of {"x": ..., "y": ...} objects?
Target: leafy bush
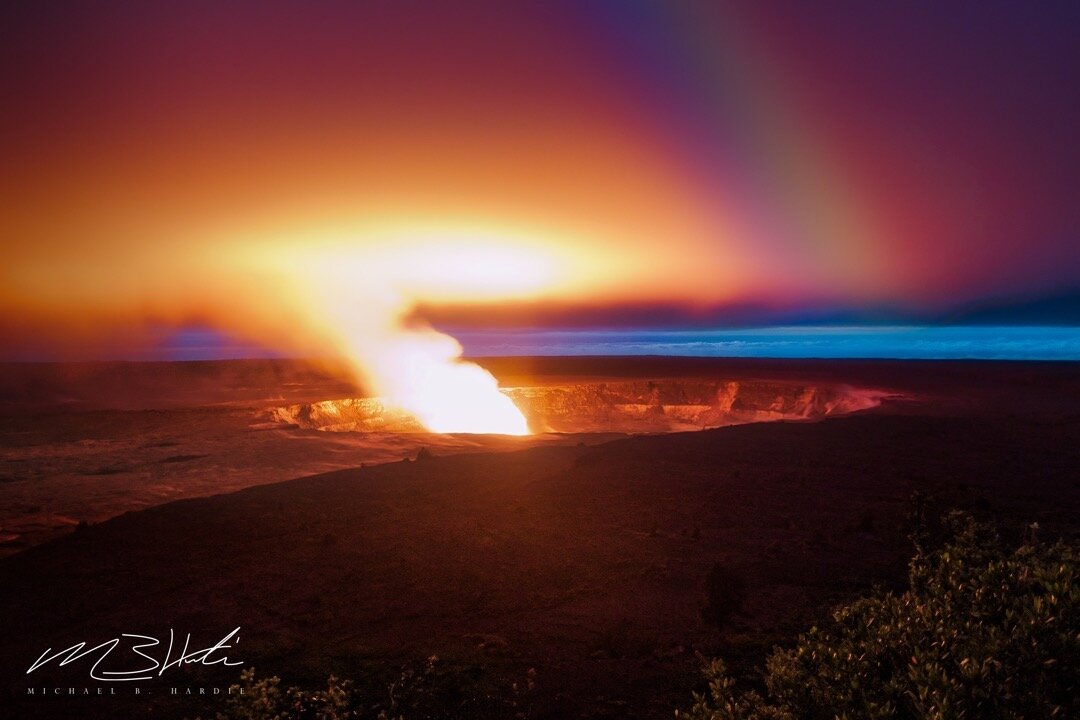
[
  {"x": 983, "y": 632},
  {"x": 426, "y": 690},
  {"x": 265, "y": 699}
]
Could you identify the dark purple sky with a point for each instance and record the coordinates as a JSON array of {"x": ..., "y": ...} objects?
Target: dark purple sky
[{"x": 702, "y": 163}]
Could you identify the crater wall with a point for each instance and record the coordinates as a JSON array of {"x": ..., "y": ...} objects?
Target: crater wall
[{"x": 621, "y": 406}]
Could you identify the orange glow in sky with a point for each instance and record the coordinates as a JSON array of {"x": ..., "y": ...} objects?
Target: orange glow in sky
[{"x": 182, "y": 165}]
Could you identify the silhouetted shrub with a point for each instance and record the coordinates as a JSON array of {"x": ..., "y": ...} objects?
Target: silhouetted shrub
[
  {"x": 428, "y": 690},
  {"x": 725, "y": 593},
  {"x": 983, "y": 632},
  {"x": 265, "y": 699}
]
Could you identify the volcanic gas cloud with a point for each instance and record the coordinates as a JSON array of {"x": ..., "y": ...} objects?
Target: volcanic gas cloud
[{"x": 360, "y": 303}]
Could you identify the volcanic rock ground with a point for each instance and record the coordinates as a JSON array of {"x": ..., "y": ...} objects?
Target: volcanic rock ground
[
  {"x": 87, "y": 443},
  {"x": 586, "y": 562}
]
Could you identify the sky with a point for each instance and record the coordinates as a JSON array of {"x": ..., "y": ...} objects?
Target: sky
[{"x": 243, "y": 168}]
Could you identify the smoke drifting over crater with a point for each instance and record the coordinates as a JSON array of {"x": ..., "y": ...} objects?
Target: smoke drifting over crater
[{"x": 359, "y": 302}]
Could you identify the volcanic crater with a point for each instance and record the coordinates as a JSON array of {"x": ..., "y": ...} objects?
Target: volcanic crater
[{"x": 643, "y": 406}]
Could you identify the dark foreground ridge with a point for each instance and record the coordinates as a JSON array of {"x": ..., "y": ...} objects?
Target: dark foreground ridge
[{"x": 588, "y": 564}]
